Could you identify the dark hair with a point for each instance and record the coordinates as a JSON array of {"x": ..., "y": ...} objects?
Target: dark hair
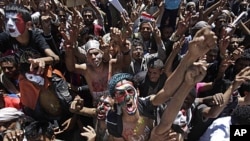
[
  {"x": 244, "y": 87},
  {"x": 136, "y": 42},
  {"x": 24, "y": 60},
  {"x": 38, "y": 128},
  {"x": 143, "y": 22},
  {"x": 10, "y": 58},
  {"x": 245, "y": 56},
  {"x": 88, "y": 9},
  {"x": 17, "y": 8},
  {"x": 241, "y": 115}
]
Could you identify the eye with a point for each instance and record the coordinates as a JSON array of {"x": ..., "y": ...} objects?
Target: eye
[
  {"x": 107, "y": 104},
  {"x": 121, "y": 93},
  {"x": 130, "y": 91}
]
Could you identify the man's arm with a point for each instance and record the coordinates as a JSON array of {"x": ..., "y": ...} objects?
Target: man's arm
[
  {"x": 193, "y": 75},
  {"x": 203, "y": 41}
]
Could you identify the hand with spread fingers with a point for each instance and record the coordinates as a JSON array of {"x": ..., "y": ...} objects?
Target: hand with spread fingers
[
  {"x": 13, "y": 135},
  {"x": 90, "y": 133},
  {"x": 37, "y": 65},
  {"x": 241, "y": 77},
  {"x": 166, "y": 136}
]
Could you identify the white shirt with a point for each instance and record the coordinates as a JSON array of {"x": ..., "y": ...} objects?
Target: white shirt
[{"x": 219, "y": 130}]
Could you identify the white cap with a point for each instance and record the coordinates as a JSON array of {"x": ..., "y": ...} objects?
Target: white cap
[
  {"x": 9, "y": 113},
  {"x": 92, "y": 44}
]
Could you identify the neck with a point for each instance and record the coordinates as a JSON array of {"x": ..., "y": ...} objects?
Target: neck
[
  {"x": 99, "y": 68},
  {"x": 131, "y": 118},
  {"x": 24, "y": 38}
]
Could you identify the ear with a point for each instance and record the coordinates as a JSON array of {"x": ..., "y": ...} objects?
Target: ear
[
  {"x": 162, "y": 71},
  {"x": 53, "y": 137},
  {"x": 138, "y": 91},
  {"x": 29, "y": 25},
  {"x": 246, "y": 93}
]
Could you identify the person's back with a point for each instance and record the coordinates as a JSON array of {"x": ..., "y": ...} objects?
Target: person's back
[{"x": 220, "y": 128}]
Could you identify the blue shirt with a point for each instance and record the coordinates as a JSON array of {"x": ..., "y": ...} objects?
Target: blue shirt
[{"x": 172, "y": 4}]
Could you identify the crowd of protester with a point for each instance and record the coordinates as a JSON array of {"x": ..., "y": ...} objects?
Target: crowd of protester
[{"x": 123, "y": 70}]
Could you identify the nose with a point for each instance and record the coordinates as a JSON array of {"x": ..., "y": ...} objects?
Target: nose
[
  {"x": 127, "y": 97},
  {"x": 101, "y": 107},
  {"x": 93, "y": 55},
  {"x": 10, "y": 22}
]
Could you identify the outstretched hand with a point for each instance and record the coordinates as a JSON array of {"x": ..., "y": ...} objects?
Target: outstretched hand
[
  {"x": 34, "y": 63},
  {"x": 241, "y": 77},
  {"x": 90, "y": 133}
]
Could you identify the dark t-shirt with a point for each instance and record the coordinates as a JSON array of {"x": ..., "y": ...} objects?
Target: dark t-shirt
[
  {"x": 114, "y": 121},
  {"x": 9, "y": 45}
]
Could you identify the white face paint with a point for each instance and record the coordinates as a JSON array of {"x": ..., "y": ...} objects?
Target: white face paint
[
  {"x": 35, "y": 78},
  {"x": 98, "y": 59},
  {"x": 15, "y": 25}
]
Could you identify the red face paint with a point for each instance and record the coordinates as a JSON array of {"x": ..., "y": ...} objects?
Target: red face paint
[{"x": 20, "y": 24}]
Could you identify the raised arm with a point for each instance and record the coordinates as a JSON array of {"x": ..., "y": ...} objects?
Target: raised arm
[
  {"x": 242, "y": 76},
  {"x": 194, "y": 74},
  {"x": 203, "y": 41}
]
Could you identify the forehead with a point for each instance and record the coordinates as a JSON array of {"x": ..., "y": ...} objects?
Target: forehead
[
  {"x": 6, "y": 63},
  {"x": 93, "y": 51},
  {"x": 145, "y": 24},
  {"x": 137, "y": 46},
  {"x": 106, "y": 99},
  {"x": 155, "y": 70},
  {"x": 123, "y": 83},
  {"x": 87, "y": 12},
  {"x": 12, "y": 15}
]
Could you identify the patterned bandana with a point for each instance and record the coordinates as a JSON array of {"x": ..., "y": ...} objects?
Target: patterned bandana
[{"x": 117, "y": 78}]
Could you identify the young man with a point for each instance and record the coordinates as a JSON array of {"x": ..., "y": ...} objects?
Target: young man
[
  {"x": 99, "y": 67},
  {"x": 9, "y": 75},
  {"x": 133, "y": 116},
  {"x": 19, "y": 39},
  {"x": 152, "y": 80}
]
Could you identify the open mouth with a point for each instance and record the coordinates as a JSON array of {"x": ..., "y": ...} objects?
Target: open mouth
[
  {"x": 130, "y": 108},
  {"x": 11, "y": 30},
  {"x": 100, "y": 116}
]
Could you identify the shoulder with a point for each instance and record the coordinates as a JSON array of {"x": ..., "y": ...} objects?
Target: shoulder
[
  {"x": 146, "y": 108},
  {"x": 114, "y": 124}
]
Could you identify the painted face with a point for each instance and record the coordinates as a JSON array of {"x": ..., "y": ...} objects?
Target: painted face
[
  {"x": 94, "y": 57},
  {"x": 181, "y": 120},
  {"x": 15, "y": 24},
  {"x": 105, "y": 104},
  {"x": 126, "y": 96}
]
